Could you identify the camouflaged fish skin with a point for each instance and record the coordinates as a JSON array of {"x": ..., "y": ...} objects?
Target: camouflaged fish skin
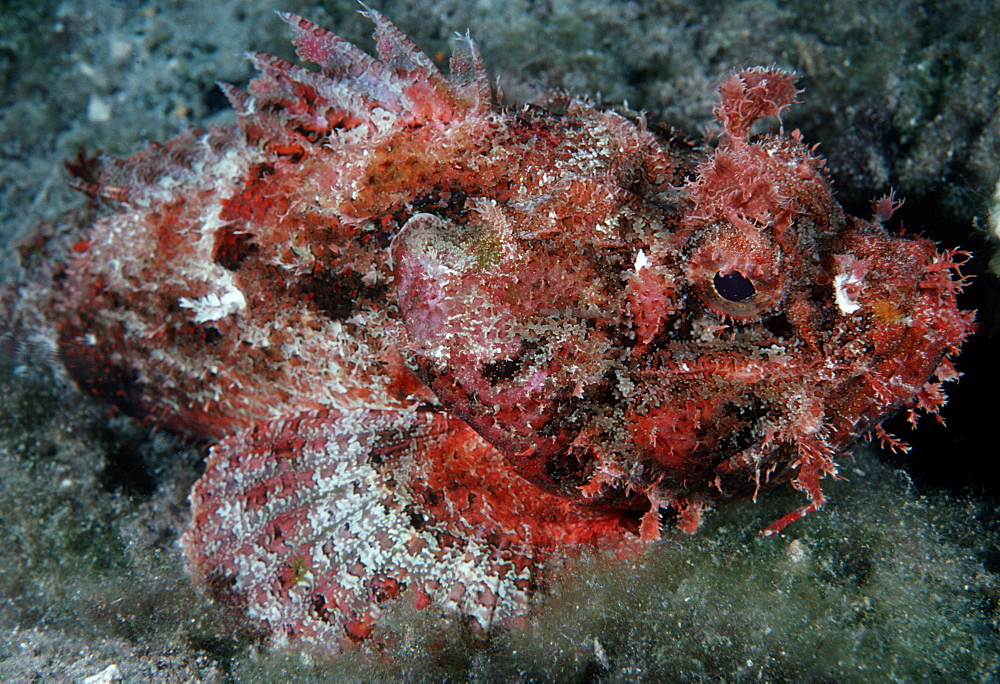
[{"x": 444, "y": 344}]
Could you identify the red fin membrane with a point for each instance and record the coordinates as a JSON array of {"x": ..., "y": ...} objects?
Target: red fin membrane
[{"x": 312, "y": 525}]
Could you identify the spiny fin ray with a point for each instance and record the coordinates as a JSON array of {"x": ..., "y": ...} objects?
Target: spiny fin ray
[
  {"x": 402, "y": 87},
  {"x": 398, "y": 51}
]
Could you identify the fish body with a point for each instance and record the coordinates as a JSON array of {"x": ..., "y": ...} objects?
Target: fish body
[{"x": 441, "y": 343}]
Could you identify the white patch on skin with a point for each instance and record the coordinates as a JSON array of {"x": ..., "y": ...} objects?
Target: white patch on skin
[
  {"x": 846, "y": 288},
  {"x": 641, "y": 261},
  {"x": 213, "y": 307},
  {"x": 849, "y": 282}
]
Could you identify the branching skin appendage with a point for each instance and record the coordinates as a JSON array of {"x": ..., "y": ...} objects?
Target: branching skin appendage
[{"x": 443, "y": 345}]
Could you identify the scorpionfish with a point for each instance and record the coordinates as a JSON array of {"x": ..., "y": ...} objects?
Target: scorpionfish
[{"x": 441, "y": 343}]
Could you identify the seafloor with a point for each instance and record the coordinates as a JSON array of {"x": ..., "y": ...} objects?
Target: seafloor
[{"x": 895, "y": 580}]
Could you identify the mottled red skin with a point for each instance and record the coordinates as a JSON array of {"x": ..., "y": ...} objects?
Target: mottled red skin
[
  {"x": 632, "y": 322},
  {"x": 338, "y": 546},
  {"x": 685, "y": 397}
]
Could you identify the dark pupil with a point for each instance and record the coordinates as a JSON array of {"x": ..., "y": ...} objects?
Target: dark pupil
[{"x": 733, "y": 286}]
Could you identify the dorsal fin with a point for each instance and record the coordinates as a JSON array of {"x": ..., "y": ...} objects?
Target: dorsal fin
[
  {"x": 402, "y": 87},
  {"x": 398, "y": 51},
  {"x": 335, "y": 56},
  {"x": 468, "y": 73}
]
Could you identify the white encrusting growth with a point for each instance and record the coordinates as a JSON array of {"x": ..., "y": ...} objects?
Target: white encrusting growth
[{"x": 215, "y": 306}]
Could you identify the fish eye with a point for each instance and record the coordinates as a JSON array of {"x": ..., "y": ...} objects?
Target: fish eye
[
  {"x": 737, "y": 275},
  {"x": 733, "y": 286}
]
